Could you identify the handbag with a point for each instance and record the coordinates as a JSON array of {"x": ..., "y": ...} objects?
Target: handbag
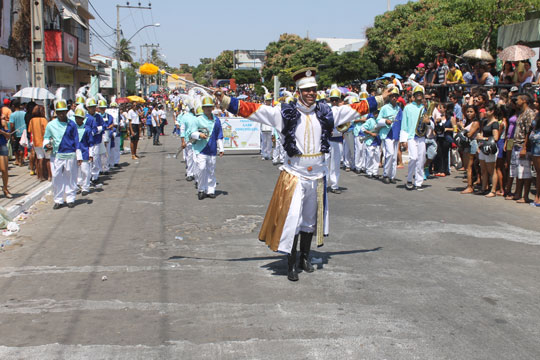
[{"x": 24, "y": 139}]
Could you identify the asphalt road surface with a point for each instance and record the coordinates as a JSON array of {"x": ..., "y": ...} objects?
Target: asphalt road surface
[{"x": 144, "y": 270}]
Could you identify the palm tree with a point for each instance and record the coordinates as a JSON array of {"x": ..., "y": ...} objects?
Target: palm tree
[{"x": 125, "y": 51}]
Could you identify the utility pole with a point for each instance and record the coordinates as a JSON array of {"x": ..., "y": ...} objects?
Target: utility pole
[
  {"x": 143, "y": 78},
  {"x": 37, "y": 47},
  {"x": 388, "y": 4},
  {"x": 118, "y": 37}
]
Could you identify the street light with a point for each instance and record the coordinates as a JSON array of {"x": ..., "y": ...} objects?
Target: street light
[{"x": 145, "y": 26}]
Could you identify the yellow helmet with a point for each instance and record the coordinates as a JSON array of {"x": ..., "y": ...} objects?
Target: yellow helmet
[
  {"x": 418, "y": 88},
  {"x": 114, "y": 104},
  {"x": 363, "y": 95},
  {"x": 80, "y": 111},
  {"x": 80, "y": 100},
  {"x": 353, "y": 99},
  {"x": 199, "y": 111},
  {"x": 395, "y": 90},
  {"x": 207, "y": 101},
  {"x": 91, "y": 102},
  {"x": 335, "y": 93},
  {"x": 60, "y": 105},
  {"x": 102, "y": 103},
  {"x": 268, "y": 96}
]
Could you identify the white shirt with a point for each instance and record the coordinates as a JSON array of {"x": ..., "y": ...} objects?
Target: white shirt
[
  {"x": 162, "y": 114},
  {"x": 154, "y": 117},
  {"x": 133, "y": 117}
]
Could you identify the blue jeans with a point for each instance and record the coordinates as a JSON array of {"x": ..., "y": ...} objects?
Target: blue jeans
[{"x": 155, "y": 130}]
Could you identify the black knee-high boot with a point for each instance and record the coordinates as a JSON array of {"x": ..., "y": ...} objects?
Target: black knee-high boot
[
  {"x": 305, "y": 245},
  {"x": 292, "y": 274}
]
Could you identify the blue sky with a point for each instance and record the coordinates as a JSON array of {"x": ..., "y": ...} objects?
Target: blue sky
[{"x": 191, "y": 30}]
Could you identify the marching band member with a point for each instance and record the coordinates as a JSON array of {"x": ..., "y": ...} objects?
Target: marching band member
[
  {"x": 208, "y": 142},
  {"x": 298, "y": 205},
  {"x": 114, "y": 155},
  {"x": 414, "y": 125},
  {"x": 186, "y": 122},
  {"x": 372, "y": 147},
  {"x": 108, "y": 125},
  {"x": 333, "y": 158},
  {"x": 61, "y": 136},
  {"x": 95, "y": 122},
  {"x": 389, "y": 120},
  {"x": 266, "y": 131},
  {"x": 85, "y": 143},
  {"x": 349, "y": 152}
]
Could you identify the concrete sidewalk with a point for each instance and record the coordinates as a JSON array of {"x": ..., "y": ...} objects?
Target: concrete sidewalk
[{"x": 25, "y": 188}]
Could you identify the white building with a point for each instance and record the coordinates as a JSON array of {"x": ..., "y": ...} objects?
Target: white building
[{"x": 340, "y": 45}]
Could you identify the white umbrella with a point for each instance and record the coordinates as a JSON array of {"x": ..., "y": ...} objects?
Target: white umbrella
[
  {"x": 35, "y": 93},
  {"x": 478, "y": 54},
  {"x": 516, "y": 53}
]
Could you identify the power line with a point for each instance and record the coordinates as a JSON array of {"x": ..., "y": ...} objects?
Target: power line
[
  {"x": 97, "y": 13},
  {"x": 101, "y": 38}
]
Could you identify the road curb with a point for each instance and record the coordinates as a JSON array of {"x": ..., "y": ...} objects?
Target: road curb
[{"x": 25, "y": 203}]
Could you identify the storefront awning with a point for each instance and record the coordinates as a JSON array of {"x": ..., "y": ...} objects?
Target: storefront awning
[
  {"x": 69, "y": 13},
  {"x": 526, "y": 31}
]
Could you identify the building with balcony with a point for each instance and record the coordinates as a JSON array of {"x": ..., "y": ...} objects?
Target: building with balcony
[{"x": 66, "y": 45}]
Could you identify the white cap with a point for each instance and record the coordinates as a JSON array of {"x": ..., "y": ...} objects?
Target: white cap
[{"x": 305, "y": 78}]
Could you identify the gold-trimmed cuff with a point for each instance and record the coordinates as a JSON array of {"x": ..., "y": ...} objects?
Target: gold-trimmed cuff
[
  {"x": 225, "y": 102},
  {"x": 380, "y": 101}
]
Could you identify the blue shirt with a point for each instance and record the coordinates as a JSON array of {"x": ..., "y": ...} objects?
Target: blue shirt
[{"x": 19, "y": 125}]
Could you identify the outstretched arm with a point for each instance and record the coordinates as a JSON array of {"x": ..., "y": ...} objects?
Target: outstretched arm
[{"x": 262, "y": 114}]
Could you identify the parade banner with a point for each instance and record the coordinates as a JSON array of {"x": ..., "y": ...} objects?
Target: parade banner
[{"x": 240, "y": 134}]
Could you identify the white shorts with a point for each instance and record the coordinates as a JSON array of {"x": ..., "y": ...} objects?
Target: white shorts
[
  {"x": 41, "y": 153},
  {"x": 519, "y": 168}
]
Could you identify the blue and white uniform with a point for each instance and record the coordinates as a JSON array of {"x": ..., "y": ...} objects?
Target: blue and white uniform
[
  {"x": 187, "y": 121},
  {"x": 389, "y": 135},
  {"x": 372, "y": 147},
  {"x": 416, "y": 145},
  {"x": 65, "y": 153},
  {"x": 333, "y": 158},
  {"x": 85, "y": 143},
  {"x": 95, "y": 122},
  {"x": 206, "y": 150}
]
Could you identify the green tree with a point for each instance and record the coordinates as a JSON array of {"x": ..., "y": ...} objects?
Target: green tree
[
  {"x": 347, "y": 67},
  {"x": 222, "y": 66},
  {"x": 414, "y": 32},
  {"x": 124, "y": 51},
  {"x": 290, "y": 53},
  {"x": 247, "y": 76}
]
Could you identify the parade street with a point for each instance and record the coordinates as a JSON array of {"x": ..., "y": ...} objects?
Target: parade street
[{"x": 143, "y": 269}]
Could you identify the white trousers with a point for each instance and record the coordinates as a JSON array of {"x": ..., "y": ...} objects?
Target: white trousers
[
  {"x": 83, "y": 176},
  {"x": 390, "y": 158},
  {"x": 190, "y": 160},
  {"x": 105, "y": 157},
  {"x": 359, "y": 154},
  {"x": 417, "y": 159},
  {"x": 302, "y": 215},
  {"x": 96, "y": 163},
  {"x": 372, "y": 159},
  {"x": 114, "y": 153},
  {"x": 278, "y": 153},
  {"x": 333, "y": 160},
  {"x": 64, "y": 179},
  {"x": 348, "y": 149},
  {"x": 266, "y": 144},
  {"x": 206, "y": 169}
]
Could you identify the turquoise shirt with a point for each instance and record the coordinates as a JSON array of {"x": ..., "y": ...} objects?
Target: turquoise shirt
[
  {"x": 55, "y": 131},
  {"x": 202, "y": 122},
  {"x": 411, "y": 114},
  {"x": 17, "y": 123},
  {"x": 369, "y": 125},
  {"x": 387, "y": 112}
]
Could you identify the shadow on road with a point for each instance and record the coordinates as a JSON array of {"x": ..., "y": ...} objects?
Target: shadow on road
[{"x": 279, "y": 266}]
